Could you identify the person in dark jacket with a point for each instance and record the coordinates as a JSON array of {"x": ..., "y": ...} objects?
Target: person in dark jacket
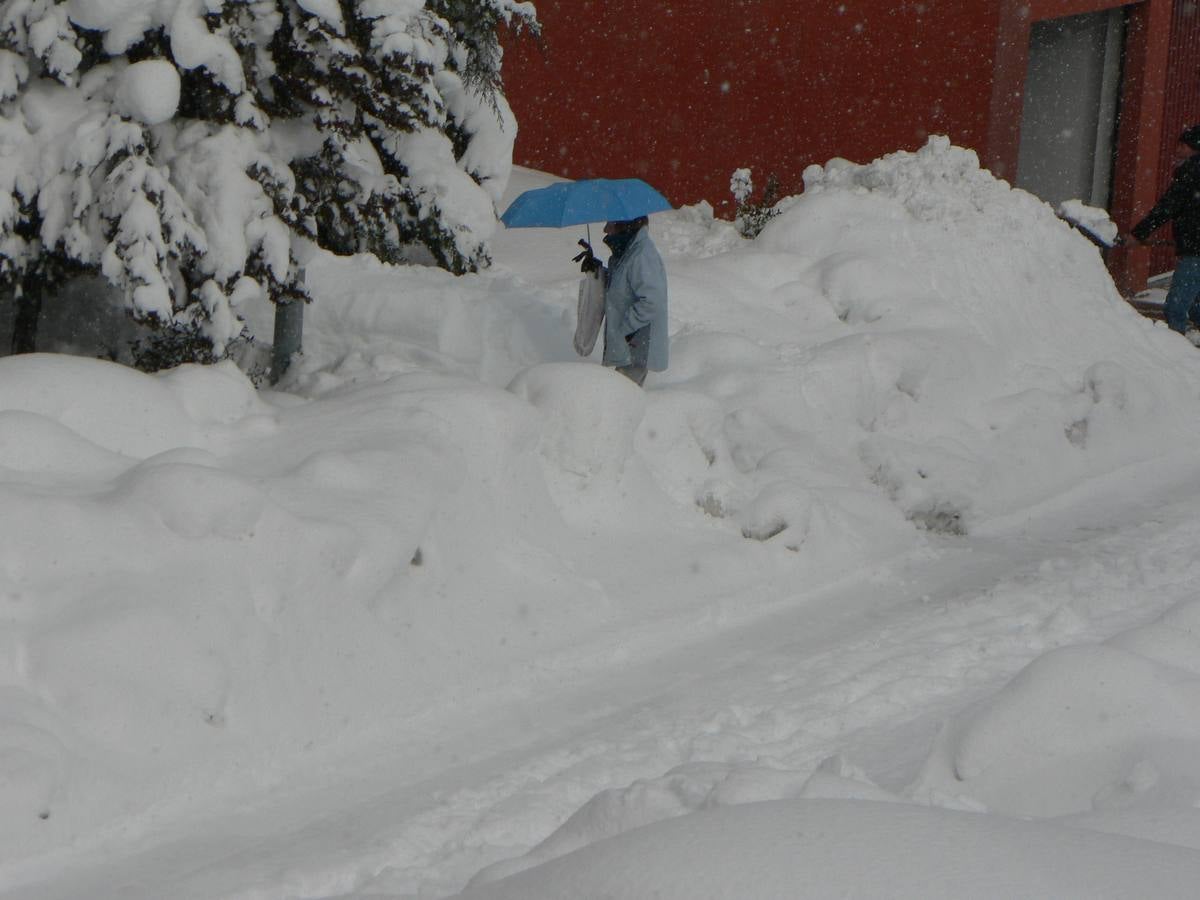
[{"x": 1180, "y": 206}]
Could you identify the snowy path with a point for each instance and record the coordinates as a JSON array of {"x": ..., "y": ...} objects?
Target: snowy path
[{"x": 866, "y": 670}]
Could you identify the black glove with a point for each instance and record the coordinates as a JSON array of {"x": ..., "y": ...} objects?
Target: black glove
[{"x": 587, "y": 260}]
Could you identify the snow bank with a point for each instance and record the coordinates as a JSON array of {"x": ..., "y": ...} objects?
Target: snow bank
[
  {"x": 76, "y": 394},
  {"x": 992, "y": 361},
  {"x": 1085, "y": 728},
  {"x": 688, "y": 789},
  {"x": 831, "y": 848},
  {"x": 1104, "y": 740},
  {"x": 207, "y": 592},
  {"x": 215, "y": 593},
  {"x": 212, "y": 592}
]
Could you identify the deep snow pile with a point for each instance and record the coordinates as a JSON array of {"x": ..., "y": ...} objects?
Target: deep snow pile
[
  {"x": 997, "y": 362},
  {"x": 1101, "y": 741},
  {"x": 212, "y": 593},
  {"x": 1107, "y": 729},
  {"x": 825, "y": 848}
]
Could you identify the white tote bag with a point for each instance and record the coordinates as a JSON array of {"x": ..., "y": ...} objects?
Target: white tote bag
[{"x": 591, "y": 312}]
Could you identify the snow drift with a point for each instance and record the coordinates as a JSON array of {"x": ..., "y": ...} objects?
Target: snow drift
[
  {"x": 1099, "y": 741},
  {"x": 829, "y": 848},
  {"x": 212, "y": 593}
]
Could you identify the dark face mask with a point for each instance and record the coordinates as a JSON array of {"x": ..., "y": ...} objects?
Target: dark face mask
[{"x": 618, "y": 243}]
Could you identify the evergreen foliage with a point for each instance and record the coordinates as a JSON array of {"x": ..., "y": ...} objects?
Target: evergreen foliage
[
  {"x": 753, "y": 215},
  {"x": 187, "y": 149}
]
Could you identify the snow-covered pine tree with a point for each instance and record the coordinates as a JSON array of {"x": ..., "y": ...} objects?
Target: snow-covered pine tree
[{"x": 186, "y": 149}]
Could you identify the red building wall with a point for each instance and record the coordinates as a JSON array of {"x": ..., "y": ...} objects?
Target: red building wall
[{"x": 682, "y": 93}]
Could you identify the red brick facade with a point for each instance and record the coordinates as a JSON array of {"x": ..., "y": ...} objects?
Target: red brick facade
[{"x": 682, "y": 93}]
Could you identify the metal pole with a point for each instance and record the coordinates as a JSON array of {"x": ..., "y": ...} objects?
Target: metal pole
[{"x": 289, "y": 328}]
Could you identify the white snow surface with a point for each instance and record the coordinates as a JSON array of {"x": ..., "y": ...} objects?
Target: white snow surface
[
  {"x": 148, "y": 91},
  {"x": 887, "y": 587}
]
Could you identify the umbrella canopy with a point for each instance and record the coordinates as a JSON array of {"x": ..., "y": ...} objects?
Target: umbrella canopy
[{"x": 581, "y": 202}]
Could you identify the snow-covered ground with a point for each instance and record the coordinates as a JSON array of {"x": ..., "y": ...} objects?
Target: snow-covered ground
[{"x": 886, "y": 587}]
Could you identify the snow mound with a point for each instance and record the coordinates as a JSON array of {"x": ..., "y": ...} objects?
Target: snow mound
[
  {"x": 834, "y": 848},
  {"x": 1105, "y": 737},
  {"x": 695, "y": 232},
  {"x": 77, "y": 392},
  {"x": 684, "y": 790},
  {"x": 931, "y": 237},
  {"x": 591, "y": 414},
  {"x": 938, "y": 271},
  {"x": 31, "y": 443},
  {"x": 1084, "y": 728}
]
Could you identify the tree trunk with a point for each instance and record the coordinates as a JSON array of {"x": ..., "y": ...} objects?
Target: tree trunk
[{"x": 28, "y": 298}]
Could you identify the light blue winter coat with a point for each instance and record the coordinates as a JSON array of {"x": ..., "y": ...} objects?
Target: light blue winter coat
[{"x": 636, "y": 297}]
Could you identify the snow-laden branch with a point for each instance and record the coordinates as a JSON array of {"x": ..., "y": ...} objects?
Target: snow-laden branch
[{"x": 178, "y": 147}]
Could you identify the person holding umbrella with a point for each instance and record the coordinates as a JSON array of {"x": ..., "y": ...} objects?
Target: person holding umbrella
[
  {"x": 1180, "y": 205},
  {"x": 635, "y": 302},
  {"x": 635, "y": 299}
]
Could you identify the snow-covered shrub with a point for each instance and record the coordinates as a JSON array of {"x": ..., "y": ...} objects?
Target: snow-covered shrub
[
  {"x": 186, "y": 150},
  {"x": 752, "y": 215},
  {"x": 741, "y": 185}
]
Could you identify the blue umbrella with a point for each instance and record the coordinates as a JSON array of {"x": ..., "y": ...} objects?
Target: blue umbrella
[{"x": 581, "y": 202}]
